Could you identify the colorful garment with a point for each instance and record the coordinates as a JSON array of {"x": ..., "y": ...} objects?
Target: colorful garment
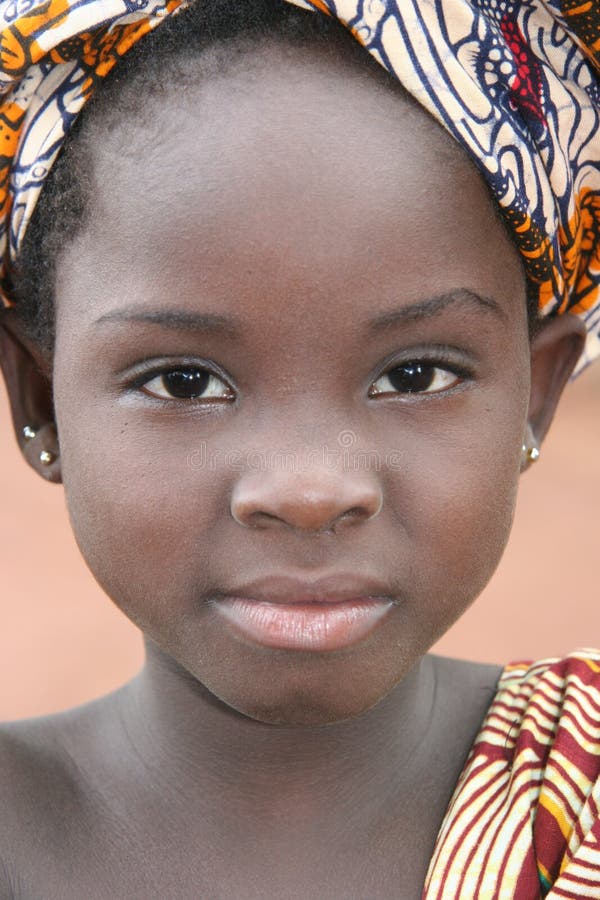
[
  {"x": 516, "y": 82},
  {"x": 524, "y": 821}
]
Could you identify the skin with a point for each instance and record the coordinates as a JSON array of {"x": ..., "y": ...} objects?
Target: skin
[{"x": 225, "y": 768}]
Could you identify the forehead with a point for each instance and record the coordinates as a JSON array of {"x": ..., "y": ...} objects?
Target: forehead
[
  {"x": 290, "y": 161},
  {"x": 311, "y": 118}
]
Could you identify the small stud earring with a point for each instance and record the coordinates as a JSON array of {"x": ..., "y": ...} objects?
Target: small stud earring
[
  {"x": 29, "y": 432},
  {"x": 530, "y": 451},
  {"x": 530, "y": 454},
  {"x": 46, "y": 458}
]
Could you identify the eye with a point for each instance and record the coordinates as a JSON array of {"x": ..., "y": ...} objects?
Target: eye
[
  {"x": 415, "y": 378},
  {"x": 187, "y": 383}
]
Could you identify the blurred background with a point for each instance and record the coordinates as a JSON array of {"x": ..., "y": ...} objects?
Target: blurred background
[{"x": 62, "y": 641}]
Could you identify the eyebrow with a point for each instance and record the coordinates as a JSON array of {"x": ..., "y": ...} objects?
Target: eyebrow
[
  {"x": 177, "y": 319},
  {"x": 434, "y": 305},
  {"x": 184, "y": 320}
]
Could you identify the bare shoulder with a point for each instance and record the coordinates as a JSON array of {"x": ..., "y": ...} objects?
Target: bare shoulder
[
  {"x": 38, "y": 780},
  {"x": 461, "y": 674},
  {"x": 46, "y": 790},
  {"x": 33, "y": 767},
  {"x": 465, "y": 692},
  {"x": 32, "y": 777}
]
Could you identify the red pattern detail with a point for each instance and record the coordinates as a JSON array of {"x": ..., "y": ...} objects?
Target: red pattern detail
[{"x": 526, "y": 88}]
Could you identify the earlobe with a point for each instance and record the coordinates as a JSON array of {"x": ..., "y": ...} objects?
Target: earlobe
[
  {"x": 530, "y": 451},
  {"x": 29, "y": 388},
  {"x": 41, "y": 450},
  {"x": 554, "y": 354}
]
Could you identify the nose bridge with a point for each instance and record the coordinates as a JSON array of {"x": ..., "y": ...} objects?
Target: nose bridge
[{"x": 313, "y": 488}]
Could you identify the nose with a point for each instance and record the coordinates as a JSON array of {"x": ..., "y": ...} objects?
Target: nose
[{"x": 311, "y": 502}]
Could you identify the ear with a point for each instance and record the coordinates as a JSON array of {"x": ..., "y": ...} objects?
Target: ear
[
  {"x": 555, "y": 350},
  {"x": 27, "y": 374}
]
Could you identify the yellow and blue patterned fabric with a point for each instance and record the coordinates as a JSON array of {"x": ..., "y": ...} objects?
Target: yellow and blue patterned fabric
[{"x": 516, "y": 82}]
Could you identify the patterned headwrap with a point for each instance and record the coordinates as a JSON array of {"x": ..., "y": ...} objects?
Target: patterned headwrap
[{"x": 516, "y": 82}]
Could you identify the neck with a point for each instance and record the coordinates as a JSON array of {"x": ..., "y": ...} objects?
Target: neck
[{"x": 201, "y": 748}]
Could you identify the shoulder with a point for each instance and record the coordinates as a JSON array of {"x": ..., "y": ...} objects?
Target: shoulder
[
  {"x": 465, "y": 691},
  {"x": 48, "y": 787},
  {"x": 37, "y": 780},
  {"x": 548, "y": 703},
  {"x": 31, "y": 776},
  {"x": 558, "y": 691},
  {"x": 33, "y": 763},
  {"x": 526, "y": 799},
  {"x": 482, "y": 676},
  {"x": 528, "y": 713}
]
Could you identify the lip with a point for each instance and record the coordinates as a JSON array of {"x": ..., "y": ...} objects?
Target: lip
[
  {"x": 333, "y": 588},
  {"x": 288, "y": 613}
]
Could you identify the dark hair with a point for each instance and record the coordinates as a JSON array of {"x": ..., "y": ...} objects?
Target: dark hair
[{"x": 206, "y": 28}]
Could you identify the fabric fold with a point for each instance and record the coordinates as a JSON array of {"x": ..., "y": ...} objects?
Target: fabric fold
[{"x": 515, "y": 82}]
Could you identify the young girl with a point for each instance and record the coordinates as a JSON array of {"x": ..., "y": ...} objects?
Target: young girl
[{"x": 288, "y": 343}]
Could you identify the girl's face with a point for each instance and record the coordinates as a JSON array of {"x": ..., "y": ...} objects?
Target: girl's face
[{"x": 310, "y": 240}]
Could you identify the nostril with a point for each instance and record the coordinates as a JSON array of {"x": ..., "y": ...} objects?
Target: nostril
[
  {"x": 318, "y": 504},
  {"x": 261, "y": 519},
  {"x": 357, "y": 512}
]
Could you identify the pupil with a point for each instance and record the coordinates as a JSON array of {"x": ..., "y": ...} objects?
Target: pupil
[
  {"x": 411, "y": 378},
  {"x": 186, "y": 383}
]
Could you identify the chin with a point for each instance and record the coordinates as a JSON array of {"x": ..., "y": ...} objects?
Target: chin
[
  {"x": 300, "y": 712},
  {"x": 305, "y": 704}
]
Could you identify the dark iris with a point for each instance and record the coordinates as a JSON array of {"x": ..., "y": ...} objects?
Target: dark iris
[
  {"x": 186, "y": 384},
  {"x": 411, "y": 378}
]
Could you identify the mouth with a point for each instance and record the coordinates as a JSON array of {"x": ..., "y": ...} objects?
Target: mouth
[{"x": 291, "y": 614}]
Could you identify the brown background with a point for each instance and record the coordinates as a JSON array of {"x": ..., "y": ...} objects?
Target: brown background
[{"x": 62, "y": 641}]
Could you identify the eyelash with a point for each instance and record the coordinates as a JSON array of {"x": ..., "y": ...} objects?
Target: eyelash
[
  {"x": 455, "y": 375},
  {"x": 151, "y": 372}
]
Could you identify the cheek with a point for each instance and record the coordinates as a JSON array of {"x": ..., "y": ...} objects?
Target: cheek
[
  {"x": 472, "y": 516},
  {"x": 457, "y": 502},
  {"x": 143, "y": 512}
]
